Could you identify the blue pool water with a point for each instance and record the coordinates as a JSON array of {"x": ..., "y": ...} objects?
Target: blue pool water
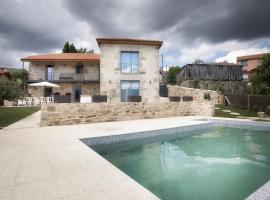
[{"x": 219, "y": 163}]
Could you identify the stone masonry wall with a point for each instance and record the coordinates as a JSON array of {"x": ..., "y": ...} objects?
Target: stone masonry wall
[
  {"x": 111, "y": 75},
  {"x": 197, "y": 94},
  {"x": 75, "y": 113},
  {"x": 231, "y": 87},
  {"x": 37, "y": 70}
]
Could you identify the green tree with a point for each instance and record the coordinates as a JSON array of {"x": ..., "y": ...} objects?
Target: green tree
[
  {"x": 66, "y": 48},
  {"x": 261, "y": 81},
  {"x": 71, "y": 48},
  {"x": 19, "y": 75},
  {"x": 82, "y": 50},
  {"x": 9, "y": 90},
  {"x": 173, "y": 71}
]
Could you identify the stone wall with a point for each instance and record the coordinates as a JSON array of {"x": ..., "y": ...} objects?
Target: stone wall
[
  {"x": 229, "y": 87},
  {"x": 37, "y": 70},
  {"x": 197, "y": 94},
  {"x": 75, "y": 113},
  {"x": 111, "y": 76}
]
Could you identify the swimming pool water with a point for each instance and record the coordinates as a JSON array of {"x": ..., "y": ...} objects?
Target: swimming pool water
[{"x": 218, "y": 163}]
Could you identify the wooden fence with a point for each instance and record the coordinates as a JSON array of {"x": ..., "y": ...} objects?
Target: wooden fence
[{"x": 252, "y": 102}]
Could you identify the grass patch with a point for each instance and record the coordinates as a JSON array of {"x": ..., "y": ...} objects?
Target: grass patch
[
  {"x": 9, "y": 115},
  {"x": 244, "y": 113}
]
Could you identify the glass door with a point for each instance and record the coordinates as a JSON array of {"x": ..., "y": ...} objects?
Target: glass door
[
  {"x": 129, "y": 88},
  {"x": 49, "y": 72}
]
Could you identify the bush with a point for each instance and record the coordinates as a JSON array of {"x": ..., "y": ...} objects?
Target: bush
[
  {"x": 219, "y": 87},
  {"x": 196, "y": 84},
  {"x": 207, "y": 96},
  {"x": 9, "y": 90}
]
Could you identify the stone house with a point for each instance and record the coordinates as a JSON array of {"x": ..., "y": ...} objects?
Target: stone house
[
  {"x": 212, "y": 76},
  {"x": 124, "y": 67}
]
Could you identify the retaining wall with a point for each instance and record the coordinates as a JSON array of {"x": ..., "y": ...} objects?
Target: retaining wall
[
  {"x": 75, "y": 113},
  {"x": 197, "y": 94}
]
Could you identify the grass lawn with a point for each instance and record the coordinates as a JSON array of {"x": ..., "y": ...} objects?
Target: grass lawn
[
  {"x": 9, "y": 115},
  {"x": 244, "y": 113}
]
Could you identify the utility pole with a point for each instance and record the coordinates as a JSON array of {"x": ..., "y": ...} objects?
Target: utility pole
[{"x": 162, "y": 62}]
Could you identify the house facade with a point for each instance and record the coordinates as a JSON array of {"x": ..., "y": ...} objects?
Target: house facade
[
  {"x": 124, "y": 68},
  {"x": 76, "y": 74},
  {"x": 250, "y": 65}
]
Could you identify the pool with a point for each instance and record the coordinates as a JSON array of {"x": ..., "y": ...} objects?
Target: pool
[{"x": 210, "y": 163}]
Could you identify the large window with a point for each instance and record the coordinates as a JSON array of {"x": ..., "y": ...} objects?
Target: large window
[
  {"x": 129, "y": 88},
  {"x": 49, "y": 73},
  {"x": 129, "y": 62},
  {"x": 245, "y": 77}
]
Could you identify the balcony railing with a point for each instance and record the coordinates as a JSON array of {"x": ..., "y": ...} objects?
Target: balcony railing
[
  {"x": 64, "y": 76},
  {"x": 72, "y": 76}
]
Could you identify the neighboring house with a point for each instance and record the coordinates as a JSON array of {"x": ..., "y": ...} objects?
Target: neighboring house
[
  {"x": 250, "y": 65},
  {"x": 125, "y": 67},
  {"x": 76, "y": 73},
  {"x": 212, "y": 75},
  {"x": 4, "y": 74}
]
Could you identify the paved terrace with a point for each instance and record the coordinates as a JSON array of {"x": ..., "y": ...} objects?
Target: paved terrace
[{"x": 52, "y": 163}]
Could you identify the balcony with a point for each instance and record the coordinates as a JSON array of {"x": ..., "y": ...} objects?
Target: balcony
[{"x": 64, "y": 77}]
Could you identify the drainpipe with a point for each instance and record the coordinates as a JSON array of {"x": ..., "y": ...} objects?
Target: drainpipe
[{"x": 23, "y": 76}]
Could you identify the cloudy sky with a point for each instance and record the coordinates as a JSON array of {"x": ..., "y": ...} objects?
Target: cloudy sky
[{"x": 212, "y": 30}]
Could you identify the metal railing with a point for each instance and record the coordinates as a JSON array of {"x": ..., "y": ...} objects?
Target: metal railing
[{"x": 64, "y": 76}]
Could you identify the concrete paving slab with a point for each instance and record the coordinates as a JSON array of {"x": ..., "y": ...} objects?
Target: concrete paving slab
[{"x": 52, "y": 162}]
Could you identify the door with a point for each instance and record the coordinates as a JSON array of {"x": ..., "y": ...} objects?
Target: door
[
  {"x": 49, "y": 73},
  {"x": 48, "y": 92},
  {"x": 129, "y": 88},
  {"x": 77, "y": 94}
]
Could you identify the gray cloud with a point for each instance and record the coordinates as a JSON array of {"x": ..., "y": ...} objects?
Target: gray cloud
[
  {"x": 212, "y": 20},
  {"x": 30, "y": 26}
]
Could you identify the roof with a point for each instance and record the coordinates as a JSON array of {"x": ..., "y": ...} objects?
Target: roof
[
  {"x": 63, "y": 57},
  {"x": 213, "y": 71},
  {"x": 249, "y": 57},
  {"x": 214, "y": 64},
  {"x": 128, "y": 41},
  {"x": 5, "y": 72}
]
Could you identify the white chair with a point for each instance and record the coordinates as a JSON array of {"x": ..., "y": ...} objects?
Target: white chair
[
  {"x": 36, "y": 101},
  {"x": 21, "y": 102},
  {"x": 29, "y": 101},
  {"x": 49, "y": 100},
  {"x": 42, "y": 100}
]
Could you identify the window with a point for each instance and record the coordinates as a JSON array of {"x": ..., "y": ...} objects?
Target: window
[
  {"x": 49, "y": 72},
  {"x": 79, "y": 69},
  {"x": 243, "y": 62},
  {"x": 129, "y": 62},
  {"x": 129, "y": 88},
  {"x": 244, "y": 68}
]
